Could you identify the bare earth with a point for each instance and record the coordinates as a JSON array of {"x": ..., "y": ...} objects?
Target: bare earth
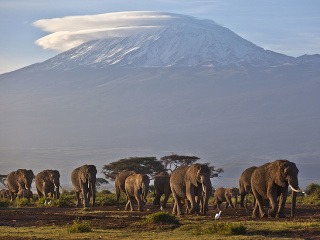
[{"x": 112, "y": 218}]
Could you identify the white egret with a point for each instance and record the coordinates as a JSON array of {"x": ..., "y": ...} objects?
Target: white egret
[{"x": 217, "y": 216}]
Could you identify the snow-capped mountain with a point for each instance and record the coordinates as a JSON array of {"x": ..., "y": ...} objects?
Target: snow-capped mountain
[
  {"x": 169, "y": 83},
  {"x": 178, "y": 41}
]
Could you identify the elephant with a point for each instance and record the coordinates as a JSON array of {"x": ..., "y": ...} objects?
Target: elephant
[
  {"x": 120, "y": 182},
  {"x": 137, "y": 188},
  {"x": 187, "y": 182},
  {"x": 225, "y": 195},
  {"x": 245, "y": 185},
  {"x": 4, "y": 194},
  {"x": 25, "y": 193},
  {"x": 48, "y": 181},
  {"x": 161, "y": 187},
  {"x": 20, "y": 179},
  {"x": 84, "y": 181},
  {"x": 271, "y": 181}
]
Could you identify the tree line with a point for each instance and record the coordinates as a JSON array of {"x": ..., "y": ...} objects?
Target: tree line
[
  {"x": 146, "y": 165},
  {"x": 152, "y": 166}
]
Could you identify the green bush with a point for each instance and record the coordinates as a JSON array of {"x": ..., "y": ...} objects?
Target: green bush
[
  {"x": 222, "y": 228},
  {"x": 65, "y": 200},
  {"x": 105, "y": 200},
  {"x": 22, "y": 202},
  {"x": 313, "y": 199},
  {"x": 80, "y": 227},
  {"x": 161, "y": 218},
  {"x": 312, "y": 188}
]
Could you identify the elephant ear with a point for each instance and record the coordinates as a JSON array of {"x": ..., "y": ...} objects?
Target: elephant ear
[
  {"x": 192, "y": 174},
  {"x": 83, "y": 173},
  {"x": 276, "y": 172}
]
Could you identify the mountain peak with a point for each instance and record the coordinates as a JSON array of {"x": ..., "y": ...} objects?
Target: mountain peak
[{"x": 155, "y": 39}]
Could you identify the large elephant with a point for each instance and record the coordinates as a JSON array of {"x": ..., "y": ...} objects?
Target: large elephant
[
  {"x": 185, "y": 182},
  {"x": 245, "y": 185},
  {"x": 225, "y": 195},
  {"x": 161, "y": 187},
  {"x": 84, "y": 181},
  {"x": 271, "y": 181},
  {"x": 120, "y": 183},
  {"x": 20, "y": 179},
  {"x": 48, "y": 181},
  {"x": 137, "y": 188}
]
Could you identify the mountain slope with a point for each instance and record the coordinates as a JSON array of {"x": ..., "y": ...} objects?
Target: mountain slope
[
  {"x": 189, "y": 87},
  {"x": 179, "y": 41}
]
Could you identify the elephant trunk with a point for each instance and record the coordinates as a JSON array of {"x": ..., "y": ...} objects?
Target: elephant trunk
[
  {"x": 92, "y": 190},
  {"x": 207, "y": 190},
  {"x": 56, "y": 192},
  {"x": 294, "y": 190},
  {"x": 293, "y": 203}
]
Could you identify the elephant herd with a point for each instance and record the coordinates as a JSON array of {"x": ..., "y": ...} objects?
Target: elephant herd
[
  {"x": 269, "y": 185},
  {"x": 48, "y": 183},
  {"x": 189, "y": 185}
]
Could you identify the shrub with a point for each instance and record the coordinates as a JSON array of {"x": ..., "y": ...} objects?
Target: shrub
[
  {"x": 105, "y": 200},
  {"x": 222, "y": 228},
  {"x": 22, "y": 202},
  {"x": 64, "y": 201},
  {"x": 80, "y": 227},
  {"x": 312, "y": 188},
  {"x": 313, "y": 199},
  {"x": 161, "y": 218}
]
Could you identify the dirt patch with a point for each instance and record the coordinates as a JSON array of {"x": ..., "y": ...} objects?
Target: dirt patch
[{"x": 111, "y": 218}]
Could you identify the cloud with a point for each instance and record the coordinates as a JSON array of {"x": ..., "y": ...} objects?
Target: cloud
[{"x": 71, "y": 31}]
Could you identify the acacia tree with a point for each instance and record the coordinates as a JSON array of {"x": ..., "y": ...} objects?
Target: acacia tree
[
  {"x": 143, "y": 165},
  {"x": 173, "y": 161},
  {"x": 100, "y": 181}
]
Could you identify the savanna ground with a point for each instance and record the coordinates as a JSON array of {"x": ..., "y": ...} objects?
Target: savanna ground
[{"x": 107, "y": 222}]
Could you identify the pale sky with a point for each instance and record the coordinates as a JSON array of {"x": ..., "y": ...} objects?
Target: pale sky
[{"x": 291, "y": 27}]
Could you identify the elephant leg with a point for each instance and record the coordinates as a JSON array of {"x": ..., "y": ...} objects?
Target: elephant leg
[
  {"x": 78, "y": 199},
  {"x": 165, "y": 200},
  {"x": 139, "y": 202},
  {"x": 282, "y": 201},
  {"x": 273, "y": 205},
  {"x": 218, "y": 205},
  {"x": 85, "y": 195},
  {"x": 242, "y": 199},
  {"x": 118, "y": 198},
  {"x": 229, "y": 202},
  {"x": 127, "y": 204},
  {"x": 156, "y": 201},
  {"x": 178, "y": 206},
  {"x": 174, "y": 208},
  {"x": 258, "y": 207},
  {"x": 192, "y": 203},
  {"x": 259, "y": 203},
  {"x": 255, "y": 212},
  {"x": 131, "y": 202}
]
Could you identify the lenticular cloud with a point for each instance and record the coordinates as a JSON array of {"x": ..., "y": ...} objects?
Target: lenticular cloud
[{"x": 71, "y": 31}]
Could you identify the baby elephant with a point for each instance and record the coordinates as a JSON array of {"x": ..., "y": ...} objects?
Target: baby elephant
[
  {"x": 4, "y": 194},
  {"x": 225, "y": 195},
  {"x": 25, "y": 193}
]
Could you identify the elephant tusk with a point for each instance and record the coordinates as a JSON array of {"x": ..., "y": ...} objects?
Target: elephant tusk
[
  {"x": 295, "y": 190},
  {"x": 203, "y": 188}
]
